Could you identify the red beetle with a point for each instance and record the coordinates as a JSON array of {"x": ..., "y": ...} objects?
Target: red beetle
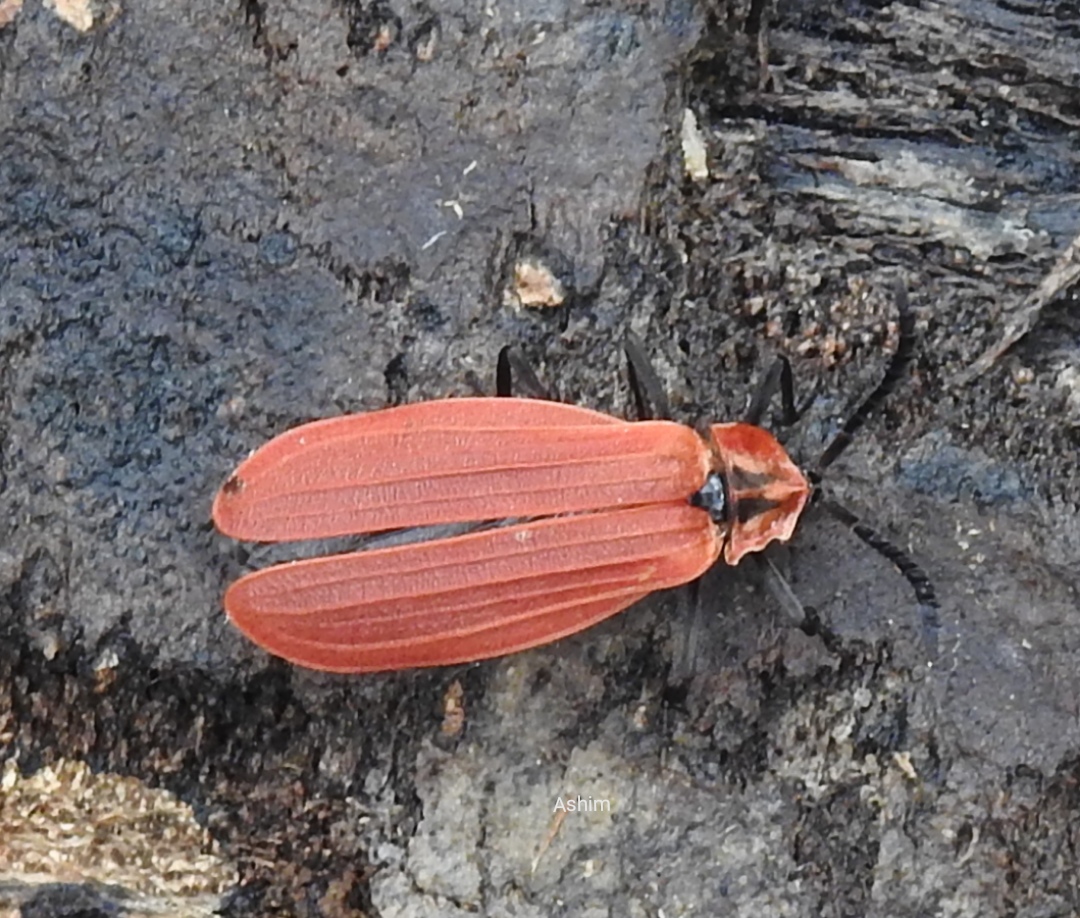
[{"x": 609, "y": 511}]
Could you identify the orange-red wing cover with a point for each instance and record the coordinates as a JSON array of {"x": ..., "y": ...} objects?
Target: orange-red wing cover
[
  {"x": 457, "y": 460},
  {"x": 473, "y": 596}
]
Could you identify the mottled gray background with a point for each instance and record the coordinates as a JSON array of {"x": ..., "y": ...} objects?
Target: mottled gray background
[{"x": 217, "y": 221}]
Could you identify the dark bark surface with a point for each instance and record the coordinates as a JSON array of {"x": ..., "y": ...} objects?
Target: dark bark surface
[{"x": 217, "y": 222}]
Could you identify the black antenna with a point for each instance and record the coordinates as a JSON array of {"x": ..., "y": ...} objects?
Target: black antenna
[
  {"x": 911, "y": 572},
  {"x": 896, "y": 371}
]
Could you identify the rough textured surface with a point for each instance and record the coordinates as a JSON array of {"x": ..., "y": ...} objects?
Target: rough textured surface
[
  {"x": 217, "y": 222},
  {"x": 65, "y": 827}
]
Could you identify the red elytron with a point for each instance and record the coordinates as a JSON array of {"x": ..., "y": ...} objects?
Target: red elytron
[{"x": 615, "y": 510}]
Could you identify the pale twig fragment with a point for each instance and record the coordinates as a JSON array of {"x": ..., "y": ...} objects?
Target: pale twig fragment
[
  {"x": 695, "y": 154},
  {"x": 1064, "y": 273}
]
